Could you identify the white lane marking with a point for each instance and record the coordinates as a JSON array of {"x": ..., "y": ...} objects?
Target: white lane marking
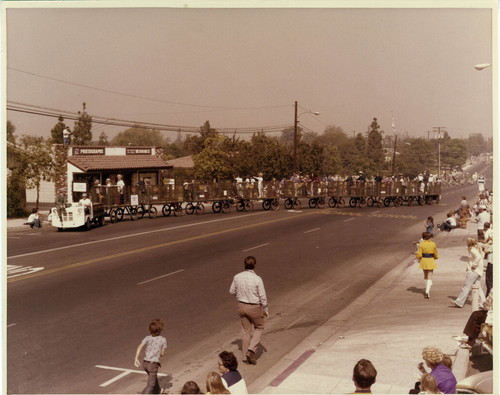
[
  {"x": 350, "y": 219},
  {"x": 375, "y": 212},
  {"x": 8, "y": 326},
  {"x": 16, "y": 271},
  {"x": 157, "y": 278},
  {"x": 253, "y": 248},
  {"x": 124, "y": 373},
  {"x": 132, "y": 235},
  {"x": 312, "y": 230}
]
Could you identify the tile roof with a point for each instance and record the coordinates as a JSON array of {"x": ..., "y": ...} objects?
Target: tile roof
[{"x": 119, "y": 162}]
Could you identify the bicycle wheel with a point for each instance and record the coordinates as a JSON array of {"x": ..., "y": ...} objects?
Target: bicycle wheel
[
  {"x": 112, "y": 216},
  {"x": 178, "y": 211},
  {"x": 352, "y": 202},
  {"x": 240, "y": 205},
  {"x": 226, "y": 207},
  {"x": 321, "y": 202},
  {"x": 362, "y": 202},
  {"x": 370, "y": 202},
  {"x": 133, "y": 213},
  {"x": 275, "y": 205},
  {"x": 266, "y": 204},
  {"x": 296, "y": 204},
  {"x": 153, "y": 212},
  {"x": 313, "y": 202},
  {"x": 200, "y": 208},
  {"x": 332, "y": 202},
  {"x": 341, "y": 203},
  {"x": 248, "y": 206},
  {"x": 387, "y": 201},
  {"x": 119, "y": 214},
  {"x": 166, "y": 210},
  {"x": 189, "y": 208},
  {"x": 288, "y": 203},
  {"x": 410, "y": 201},
  {"x": 216, "y": 207},
  {"x": 380, "y": 203}
]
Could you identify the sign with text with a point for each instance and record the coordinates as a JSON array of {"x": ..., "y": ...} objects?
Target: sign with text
[
  {"x": 138, "y": 151},
  {"x": 88, "y": 151},
  {"x": 79, "y": 187}
]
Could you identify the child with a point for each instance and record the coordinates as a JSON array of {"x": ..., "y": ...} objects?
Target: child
[
  {"x": 155, "y": 348},
  {"x": 34, "y": 219}
]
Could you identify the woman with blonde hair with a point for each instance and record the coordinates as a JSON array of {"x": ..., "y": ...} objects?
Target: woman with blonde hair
[
  {"x": 215, "y": 385},
  {"x": 474, "y": 271},
  {"x": 444, "y": 377},
  {"x": 427, "y": 254},
  {"x": 428, "y": 385}
]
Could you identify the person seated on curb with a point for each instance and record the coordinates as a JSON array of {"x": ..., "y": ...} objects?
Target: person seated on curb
[
  {"x": 86, "y": 203},
  {"x": 434, "y": 359},
  {"x": 34, "y": 219},
  {"x": 473, "y": 326},
  {"x": 231, "y": 378},
  {"x": 364, "y": 375},
  {"x": 190, "y": 387},
  {"x": 449, "y": 224}
]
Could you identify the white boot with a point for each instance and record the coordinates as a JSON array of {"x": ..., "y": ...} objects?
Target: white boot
[{"x": 428, "y": 284}]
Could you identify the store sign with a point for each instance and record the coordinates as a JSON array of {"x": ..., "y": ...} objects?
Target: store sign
[
  {"x": 88, "y": 151},
  {"x": 138, "y": 151},
  {"x": 79, "y": 187}
]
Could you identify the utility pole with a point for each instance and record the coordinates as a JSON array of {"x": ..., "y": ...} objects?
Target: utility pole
[
  {"x": 295, "y": 141},
  {"x": 394, "y": 154},
  {"x": 437, "y": 129}
]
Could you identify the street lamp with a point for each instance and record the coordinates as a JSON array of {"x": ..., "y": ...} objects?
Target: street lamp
[
  {"x": 482, "y": 66},
  {"x": 295, "y": 137}
]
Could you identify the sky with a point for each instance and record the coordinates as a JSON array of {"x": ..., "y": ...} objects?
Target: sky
[{"x": 243, "y": 68}]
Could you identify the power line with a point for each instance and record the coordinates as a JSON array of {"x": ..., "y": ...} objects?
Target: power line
[
  {"x": 55, "y": 113},
  {"x": 143, "y": 97}
]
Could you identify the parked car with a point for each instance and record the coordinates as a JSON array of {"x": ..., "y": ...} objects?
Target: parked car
[{"x": 479, "y": 383}]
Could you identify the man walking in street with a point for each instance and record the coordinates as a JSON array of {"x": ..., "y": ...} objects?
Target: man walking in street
[{"x": 249, "y": 290}]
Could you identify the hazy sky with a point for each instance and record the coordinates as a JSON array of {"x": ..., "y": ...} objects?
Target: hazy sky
[{"x": 241, "y": 68}]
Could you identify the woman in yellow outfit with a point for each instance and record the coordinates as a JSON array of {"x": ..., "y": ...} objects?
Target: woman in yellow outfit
[{"x": 427, "y": 254}]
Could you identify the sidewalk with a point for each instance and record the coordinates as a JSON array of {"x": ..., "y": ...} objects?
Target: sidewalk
[{"x": 389, "y": 324}]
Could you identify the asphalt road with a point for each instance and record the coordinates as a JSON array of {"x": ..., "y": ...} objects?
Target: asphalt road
[{"x": 74, "y": 325}]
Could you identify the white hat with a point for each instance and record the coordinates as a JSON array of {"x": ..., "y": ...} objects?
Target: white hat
[{"x": 482, "y": 206}]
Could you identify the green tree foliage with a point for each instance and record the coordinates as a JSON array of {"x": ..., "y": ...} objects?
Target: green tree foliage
[
  {"x": 56, "y": 132},
  {"x": 212, "y": 163},
  {"x": 35, "y": 163},
  {"x": 477, "y": 144},
  {"x": 103, "y": 139},
  {"x": 374, "y": 151},
  {"x": 11, "y": 129},
  {"x": 453, "y": 153},
  {"x": 138, "y": 136},
  {"x": 82, "y": 132},
  {"x": 268, "y": 156},
  {"x": 416, "y": 156},
  {"x": 193, "y": 145}
]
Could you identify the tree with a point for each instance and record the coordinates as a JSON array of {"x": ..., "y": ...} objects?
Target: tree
[
  {"x": 35, "y": 163},
  {"x": 56, "y": 132},
  {"x": 103, "y": 139},
  {"x": 213, "y": 161},
  {"x": 139, "y": 137},
  {"x": 477, "y": 144},
  {"x": 267, "y": 156},
  {"x": 194, "y": 145},
  {"x": 11, "y": 129},
  {"x": 374, "y": 151},
  {"x": 82, "y": 134},
  {"x": 453, "y": 153},
  {"x": 416, "y": 156}
]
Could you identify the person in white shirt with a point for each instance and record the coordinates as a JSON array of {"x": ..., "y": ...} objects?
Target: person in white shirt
[
  {"x": 482, "y": 217},
  {"x": 120, "y": 184},
  {"x": 86, "y": 203},
  {"x": 34, "y": 219},
  {"x": 249, "y": 290}
]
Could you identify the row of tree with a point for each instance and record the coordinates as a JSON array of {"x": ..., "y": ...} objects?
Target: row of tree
[{"x": 218, "y": 156}]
